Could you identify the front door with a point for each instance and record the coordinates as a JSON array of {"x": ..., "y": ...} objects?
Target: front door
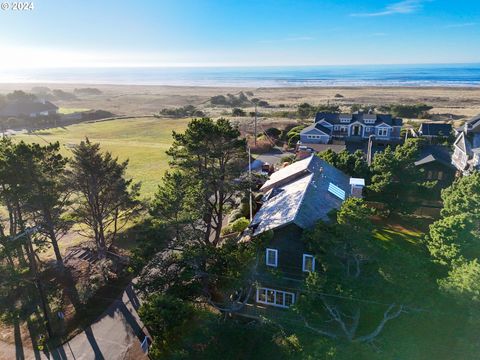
[{"x": 356, "y": 130}]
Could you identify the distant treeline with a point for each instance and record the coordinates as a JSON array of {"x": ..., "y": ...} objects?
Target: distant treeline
[
  {"x": 46, "y": 93},
  {"x": 184, "y": 111},
  {"x": 239, "y": 100}
]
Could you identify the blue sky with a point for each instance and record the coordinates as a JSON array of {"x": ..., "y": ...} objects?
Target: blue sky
[{"x": 239, "y": 33}]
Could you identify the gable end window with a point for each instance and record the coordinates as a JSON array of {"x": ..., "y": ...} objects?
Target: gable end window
[
  {"x": 271, "y": 257},
  {"x": 308, "y": 263}
]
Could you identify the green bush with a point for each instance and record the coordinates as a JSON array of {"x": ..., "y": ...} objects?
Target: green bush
[{"x": 240, "y": 224}]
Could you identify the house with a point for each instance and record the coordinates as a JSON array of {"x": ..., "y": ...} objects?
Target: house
[
  {"x": 435, "y": 162},
  {"x": 435, "y": 130},
  {"x": 351, "y": 127},
  {"x": 466, "y": 148},
  {"x": 24, "y": 108},
  {"x": 295, "y": 198}
]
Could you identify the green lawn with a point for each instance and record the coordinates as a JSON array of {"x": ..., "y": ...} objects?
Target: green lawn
[{"x": 141, "y": 140}]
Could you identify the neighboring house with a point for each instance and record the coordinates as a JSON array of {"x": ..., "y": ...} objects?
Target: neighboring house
[
  {"x": 435, "y": 161},
  {"x": 466, "y": 148},
  {"x": 355, "y": 127},
  {"x": 435, "y": 130},
  {"x": 295, "y": 198},
  {"x": 28, "y": 109}
]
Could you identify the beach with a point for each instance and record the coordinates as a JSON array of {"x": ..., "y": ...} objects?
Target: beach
[{"x": 449, "y": 103}]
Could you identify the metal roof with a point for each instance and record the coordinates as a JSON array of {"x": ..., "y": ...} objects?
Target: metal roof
[{"x": 303, "y": 200}]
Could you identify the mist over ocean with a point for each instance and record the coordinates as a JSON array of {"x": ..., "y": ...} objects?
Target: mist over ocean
[{"x": 456, "y": 75}]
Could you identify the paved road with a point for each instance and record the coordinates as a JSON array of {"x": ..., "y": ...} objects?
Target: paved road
[
  {"x": 115, "y": 335},
  {"x": 272, "y": 157}
]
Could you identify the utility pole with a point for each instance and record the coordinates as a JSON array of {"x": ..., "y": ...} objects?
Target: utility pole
[
  {"x": 255, "y": 123},
  {"x": 250, "y": 181}
]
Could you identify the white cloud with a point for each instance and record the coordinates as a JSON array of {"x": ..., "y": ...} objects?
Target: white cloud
[
  {"x": 461, "y": 25},
  {"x": 402, "y": 7}
]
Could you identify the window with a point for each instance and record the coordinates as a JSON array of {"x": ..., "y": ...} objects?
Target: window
[
  {"x": 440, "y": 175},
  {"x": 382, "y": 132},
  {"x": 275, "y": 297},
  {"x": 336, "y": 127},
  {"x": 271, "y": 257},
  {"x": 308, "y": 263},
  {"x": 335, "y": 190},
  {"x": 368, "y": 128}
]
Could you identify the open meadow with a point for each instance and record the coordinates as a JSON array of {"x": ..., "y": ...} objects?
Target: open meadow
[{"x": 141, "y": 140}]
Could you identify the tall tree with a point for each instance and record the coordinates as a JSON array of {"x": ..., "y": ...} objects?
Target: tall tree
[
  {"x": 342, "y": 247},
  {"x": 212, "y": 154},
  {"x": 396, "y": 180},
  {"x": 107, "y": 200},
  {"x": 454, "y": 240},
  {"x": 177, "y": 204},
  {"x": 49, "y": 194}
]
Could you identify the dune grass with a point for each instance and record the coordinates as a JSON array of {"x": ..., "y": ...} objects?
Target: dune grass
[{"x": 141, "y": 140}]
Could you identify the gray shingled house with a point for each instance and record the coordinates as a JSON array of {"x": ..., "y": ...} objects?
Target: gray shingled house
[
  {"x": 28, "y": 109},
  {"x": 466, "y": 148},
  {"x": 355, "y": 127},
  {"x": 295, "y": 198}
]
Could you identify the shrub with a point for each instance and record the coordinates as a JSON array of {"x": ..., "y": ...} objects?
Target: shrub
[
  {"x": 238, "y": 112},
  {"x": 240, "y": 224}
]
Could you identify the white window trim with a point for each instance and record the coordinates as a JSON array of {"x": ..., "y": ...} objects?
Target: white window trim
[
  {"x": 382, "y": 132},
  {"x": 305, "y": 256},
  {"x": 266, "y": 302},
  {"x": 276, "y": 257}
]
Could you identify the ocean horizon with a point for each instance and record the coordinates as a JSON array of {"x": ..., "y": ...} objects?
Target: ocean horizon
[{"x": 424, "y": 75}]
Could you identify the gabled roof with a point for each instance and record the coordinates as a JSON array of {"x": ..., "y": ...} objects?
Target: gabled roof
[
  {"x": 288, "y": 173},
  {"x": 304, "y": 200},
  {"x": 432, "y": 153},
  {"x": 334, "y": 118},
  {"x": 435, "y": 129},
  {"x": 473, "y": 124},
  {"x": 318, "y": 127},
  {"x": 462, "y": 143},
  {"x": 19, "y": 108}
]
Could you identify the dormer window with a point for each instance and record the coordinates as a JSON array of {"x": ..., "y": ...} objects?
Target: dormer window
[{"x": 271, "y": 257}]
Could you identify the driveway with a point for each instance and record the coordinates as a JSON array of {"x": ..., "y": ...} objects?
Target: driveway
[
  {"x": 117, "y": 334},
  {"x": 273, "y": 157}
]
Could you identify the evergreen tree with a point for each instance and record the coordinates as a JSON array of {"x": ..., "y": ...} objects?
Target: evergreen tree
[{"x": 107, "y": 200}]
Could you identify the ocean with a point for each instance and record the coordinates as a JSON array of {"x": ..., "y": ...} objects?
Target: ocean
[{"x": 458, "y": 75}]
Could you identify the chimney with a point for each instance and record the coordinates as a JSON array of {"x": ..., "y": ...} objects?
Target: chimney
[{"x": 356, "y": 187}]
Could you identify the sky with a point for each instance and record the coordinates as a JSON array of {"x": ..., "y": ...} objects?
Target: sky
[{"x": 118, "y": 33}]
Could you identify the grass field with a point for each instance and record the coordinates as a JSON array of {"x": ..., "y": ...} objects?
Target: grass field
[{"x": 141, "y": 140}]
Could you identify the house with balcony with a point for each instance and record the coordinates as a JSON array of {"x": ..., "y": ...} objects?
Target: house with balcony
[
  {"x": 466, "y": 148},
  {"x": 358, "y": 126},
  {"x": 295, "y": 198}
]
